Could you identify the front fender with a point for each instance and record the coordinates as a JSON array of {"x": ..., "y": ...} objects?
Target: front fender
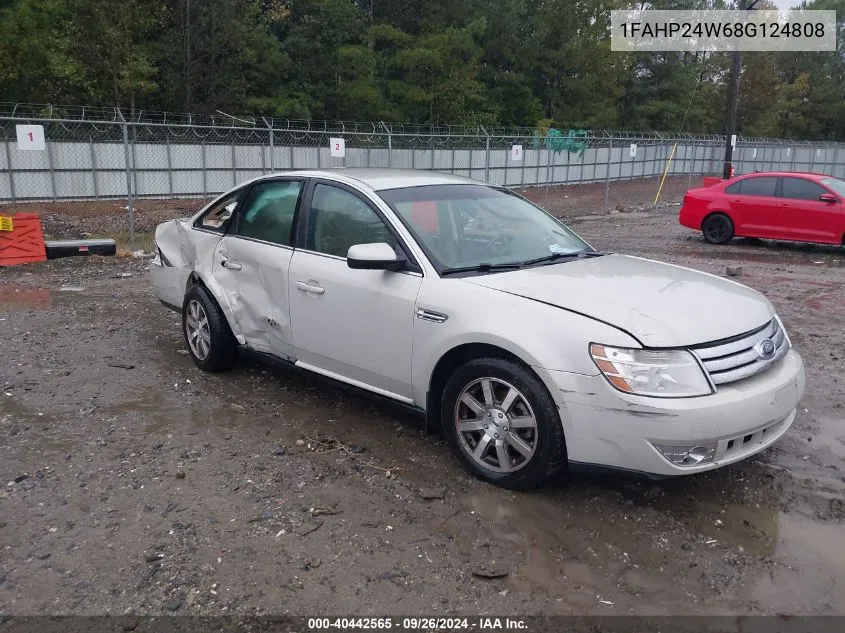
[{"x": 542, "y": 336}]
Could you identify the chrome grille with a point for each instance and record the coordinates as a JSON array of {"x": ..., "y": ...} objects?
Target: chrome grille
[{"x": 737, "y": 359}]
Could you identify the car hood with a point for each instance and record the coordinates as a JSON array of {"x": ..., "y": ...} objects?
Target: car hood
[{"x": 662, "y": 305}]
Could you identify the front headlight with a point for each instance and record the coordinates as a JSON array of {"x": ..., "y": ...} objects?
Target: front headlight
[{"x": 663, "y": 373}]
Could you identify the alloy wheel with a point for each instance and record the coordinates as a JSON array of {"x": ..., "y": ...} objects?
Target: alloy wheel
[{"x": 496, "y": 425}]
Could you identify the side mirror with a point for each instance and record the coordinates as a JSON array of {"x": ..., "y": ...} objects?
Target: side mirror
[
  {"x": 377, "y": 256},
  {"x": 828, "y": 197}
]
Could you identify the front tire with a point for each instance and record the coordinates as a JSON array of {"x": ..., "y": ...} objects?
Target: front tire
[
  {"x": 718, "y": 228},
  {"x": 208, "y": 337},
  {"x": 502, "y": 424}
]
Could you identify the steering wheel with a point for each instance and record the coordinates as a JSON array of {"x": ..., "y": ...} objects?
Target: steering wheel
[{"x": 498, "y": 245}]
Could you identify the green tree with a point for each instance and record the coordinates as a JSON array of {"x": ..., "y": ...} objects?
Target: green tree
[
  {"x": 114, "y": 47},
  {"x": 36, "y": 64},
  {"x": 220, "y": 54}
]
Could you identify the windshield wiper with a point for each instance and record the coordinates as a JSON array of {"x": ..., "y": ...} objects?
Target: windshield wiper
[
  {"x": 556, "y": 256},
  {"x": 481, "y": 268}
]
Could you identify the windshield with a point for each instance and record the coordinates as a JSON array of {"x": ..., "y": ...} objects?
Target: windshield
[
  {"x": 472, "y": 225},
  {"x": 834, "y": 183}
]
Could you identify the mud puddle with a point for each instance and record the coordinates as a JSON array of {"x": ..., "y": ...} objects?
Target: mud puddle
[{"x": 808, "y": 574}]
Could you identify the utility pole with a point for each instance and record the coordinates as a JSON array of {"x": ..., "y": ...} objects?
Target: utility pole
[{"x": 733, "y": 97}]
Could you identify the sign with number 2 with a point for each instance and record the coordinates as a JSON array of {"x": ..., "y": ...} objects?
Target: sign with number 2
[
  {"x": 337, "y": 147},
  {"x": 30, "y": 137}
]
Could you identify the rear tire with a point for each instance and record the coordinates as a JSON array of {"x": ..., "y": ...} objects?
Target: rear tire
[
  {"x": 502, "y": 424},
  {"x": 718, "y": 228},
  {"x": 209, "y": 339}
]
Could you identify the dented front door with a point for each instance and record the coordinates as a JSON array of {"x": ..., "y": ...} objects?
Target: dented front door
[
  {"x": 254, "y": 277},
  {"x": 252, "y": 264}
]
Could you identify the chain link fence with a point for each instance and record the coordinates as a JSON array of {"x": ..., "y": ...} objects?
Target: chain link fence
[{"x": 100, "y": 154}]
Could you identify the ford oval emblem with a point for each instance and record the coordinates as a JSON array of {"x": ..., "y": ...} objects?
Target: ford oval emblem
[{"x": 765, "y": 349}]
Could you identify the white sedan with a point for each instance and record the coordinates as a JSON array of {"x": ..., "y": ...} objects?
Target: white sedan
[{"x": 529, "y": 348}]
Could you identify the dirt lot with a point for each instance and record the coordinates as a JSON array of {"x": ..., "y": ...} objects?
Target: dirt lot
[{"x": 138, "y": 484}]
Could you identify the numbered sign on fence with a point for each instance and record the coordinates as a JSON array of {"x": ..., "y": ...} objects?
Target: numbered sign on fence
[
  {"x": 30, "y": 137},
  {"x": 337, "y": 147},
  {"x": 733, "y": 140},
  {"x": 633, "y": 150},
  {"x": 516, "y": 153}
]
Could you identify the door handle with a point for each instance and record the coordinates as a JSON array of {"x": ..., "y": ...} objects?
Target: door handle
[
  {"x": 306, "y": 287},
  {"x": 230, "y": 265}
]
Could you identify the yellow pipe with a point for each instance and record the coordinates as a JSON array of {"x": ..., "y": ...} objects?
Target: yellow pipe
[{"x": 665, "y": 171}]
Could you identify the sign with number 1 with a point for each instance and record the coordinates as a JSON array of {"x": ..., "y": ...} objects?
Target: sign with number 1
[
  {"x": 30, "y": 137},
  {"x": 516, "y": 153},
  {"x": 337, "y": 147}
]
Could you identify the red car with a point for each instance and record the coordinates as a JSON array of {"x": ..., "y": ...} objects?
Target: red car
[{"x": 773, "y": 205}]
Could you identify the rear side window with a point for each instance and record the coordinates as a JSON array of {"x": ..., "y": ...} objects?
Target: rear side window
[
  {"x": 762, "y": 186},
  {"x": 734, "y": 188},
  {"x": 267, "y": 213},
  {"x": 801, "y": 189}
]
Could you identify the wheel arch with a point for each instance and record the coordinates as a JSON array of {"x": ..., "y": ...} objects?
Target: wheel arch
[
  {"x": 458, "y": 355},
  {"x": 197, "y": 279},
  {"x": 710, "y": 213}
]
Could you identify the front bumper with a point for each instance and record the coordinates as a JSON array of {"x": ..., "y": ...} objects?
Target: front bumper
[{"x": 606, "y": 427}]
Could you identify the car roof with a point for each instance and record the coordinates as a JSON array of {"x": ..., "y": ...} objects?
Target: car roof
[{"x": 379, "y": 179}]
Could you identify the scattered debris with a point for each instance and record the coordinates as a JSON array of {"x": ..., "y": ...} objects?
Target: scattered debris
[
  {"x": 315, "y": 512},
  {"x": 120, "y": 365},
  {"x": 21, "y": 477},
  {"x": 308, "y": 527},
  {"x": 180, "y": 474},
  {"x": 489, "y": 571},
  {"x": 237, "y": 408},
  {"x": 733, "y": 271},
  {"x": 432, "y": 493},
  {"x": 153, "y": 557},
  {"x": 175, "y": 604}
]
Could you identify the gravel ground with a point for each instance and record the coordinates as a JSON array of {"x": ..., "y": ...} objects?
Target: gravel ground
[{"x": 139, "y": 484}]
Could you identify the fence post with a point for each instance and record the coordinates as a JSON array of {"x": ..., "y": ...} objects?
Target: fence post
[
  {"x": 50, "y": 165},
  {"x": 273, "y": 151},
  {"x": 204, "y": 176},
  {"x": 129, "y": 168},
  {"x": 389, "y": 144},
  {"x": 11, "y": 171},
  {"x": 522, "y": 166},
  {"x": 93, "y": 166},
  {"x": 234, "y": 168},
  {"x": 134, "y": 161},
  {"x": 832, "y": 171},
  {"x": 169, "y": 167},
  {"x": 607, "y": 172},
  {"x": 486, "y": 154}
]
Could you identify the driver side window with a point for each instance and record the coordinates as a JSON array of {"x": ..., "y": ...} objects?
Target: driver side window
[{"x": 340, "y": 219}]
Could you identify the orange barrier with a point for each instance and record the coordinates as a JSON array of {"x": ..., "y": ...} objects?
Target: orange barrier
[{"x": 24, "y": 243}]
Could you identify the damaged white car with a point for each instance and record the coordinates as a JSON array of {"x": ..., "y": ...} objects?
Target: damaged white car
[{"x": 529, "y": 348}]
